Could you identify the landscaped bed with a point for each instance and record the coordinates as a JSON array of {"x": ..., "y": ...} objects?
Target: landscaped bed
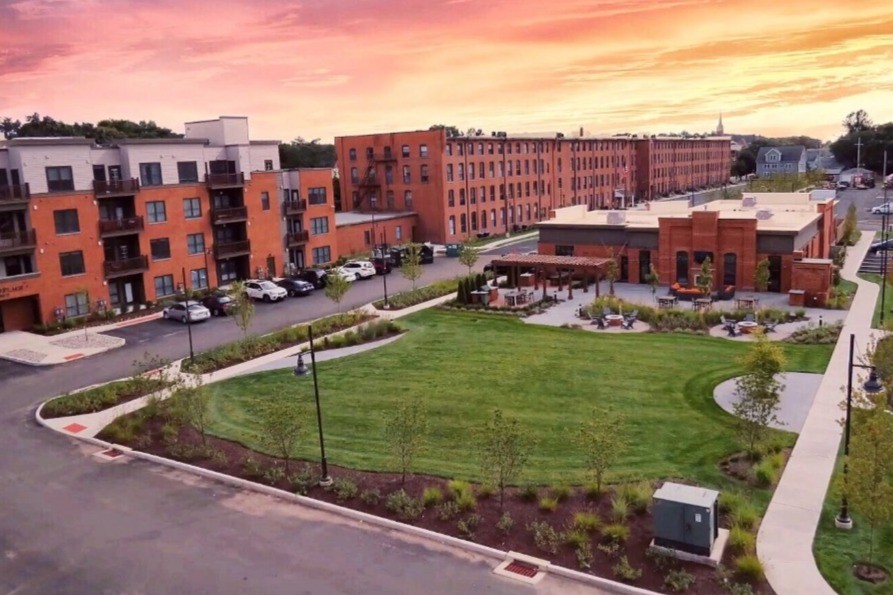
[
  {"x": 102, "y": 397},
  {"x": 462, "y": 366}
]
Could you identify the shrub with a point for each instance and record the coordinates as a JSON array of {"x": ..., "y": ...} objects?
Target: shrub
[
  {"x": 678, "y": 580},
  {"x": 749, "y": 567},
  {"x": 593, "y": 491},
  {"x": 741, "y": 540},
  {"x": 421, "y": 294},
  {"x": 610, "y": 549},
  {"x": 583, "y": 552},
  {"x": 300, "y": 482},
  {"x": 529, "y": 493},
  {"x": 431, "y": 496},
  {"x": 466, "y": 502},
  {"x": 765, "y": 474},
  {"x": 739, "y": 589},
  {"x": 637, "y": 496},
  {"x": 625, "y": 572},
  {"x": 616, "y": 533},
  {"x": 486, "y": 490},
  {"x": 403, "y": 505},
  {"x": 544, "y": 536},
  {"x": 345, "y": 489},
  {"x": 619, "y": 509},
  {"x": 816, "y": 335},
  {"x": 457, "y": 487},
  {"x": 561, "y": 492},
  {"x": 251, "y": 468},
  {"x": 370, "y": 497},
  {"x": 576, "y": 538},
  {"x": 548, "y": 504},
  {"x": 729, "y": 502},
  {"x": 273, "y": 474},
  {"x": 745, "y": 516},
  {"x": 447, "y": 510},
  {"x": 776, "y": 460},
  {"x": 468, "y": 525},
  {"x": 587, "y": 521},
  {"x": 505, "y": 522}
]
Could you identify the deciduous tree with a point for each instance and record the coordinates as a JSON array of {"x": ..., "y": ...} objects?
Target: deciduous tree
[
  {"x": 857, "y": 121},
  {"x": 282, "y": 423},
  {"x": 468, "y": 254},
  {"x": 243, "y": 307},
  {"x": 411, "y": 268},
  {"x": 761, "y": 275},
  {"x": 758, "y": 391},
  {"x": 191, "y": 407},
  {"x": 336, "y": 288},
  {"x": 405, "y": 427},
  {"x": 602, "y": 442},
  {"x": 505, "y": 448}
]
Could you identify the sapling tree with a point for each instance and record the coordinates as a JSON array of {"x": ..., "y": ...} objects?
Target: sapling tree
[
  {"x": 411, "y": 268},
  {"x": 468, "y": 255},
  {"x": 505, "y": 447},
  {"x": 336, "y": 288},
  {"x": 282, "y": 422},
  {"x": 758, "y": 392},
  {"x": 761, "y": 275},
  {"x": 243, "y": 307},
  {"x": 652, "y": 279},
  {"x": 191, "y": 406},
  {"x": 602, "y": 441},
  {"x": 405, "y": 426}
]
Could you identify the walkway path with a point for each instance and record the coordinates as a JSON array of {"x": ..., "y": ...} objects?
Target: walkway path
[
  {"x": 795, "y": 400},
  {"x": 784, "y": 543}
]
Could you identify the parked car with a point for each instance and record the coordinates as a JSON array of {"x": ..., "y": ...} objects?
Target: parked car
[
  {"x": 881, "y": 246},
  {"x": 178, "y": 311},
  {"x": 295, "y": 287},
  {"x": 363, "y": 269},
  {"x": 316, "y": 277},
  {"x": 383, "y": 266},
  {"x": 843, "y": 185},
  {"x": 219, "y": 304},
  {"x": 426, "y": 254},
  {"x": 264, "y": 290},
  {"x": 883, "y": 209},
  {"x": 345, "y": 274}
]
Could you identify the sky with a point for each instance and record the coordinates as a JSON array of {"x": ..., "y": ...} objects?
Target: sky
[{"x": 326, "y": 68}]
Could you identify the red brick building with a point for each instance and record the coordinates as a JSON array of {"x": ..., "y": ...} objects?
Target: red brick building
[
  {"x": 461, "y": 186},
  {"x": 84, "y": 227},
  {"x": 794, "y": 231}
]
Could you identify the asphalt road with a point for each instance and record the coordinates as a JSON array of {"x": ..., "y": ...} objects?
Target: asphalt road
[
  {"x": 70, "y": 523},
  {"x": 864, "y": 200}
]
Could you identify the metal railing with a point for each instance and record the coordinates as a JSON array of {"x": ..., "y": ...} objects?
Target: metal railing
[
  {"x": 116, "y": 187},
  {"x": 227, "y": 214},
  {"x": 224, "y": 249},
  {"x": 124, "y": 224},
  {"x": 18, "y": 239},
  {"x": 125, "y": 265}
]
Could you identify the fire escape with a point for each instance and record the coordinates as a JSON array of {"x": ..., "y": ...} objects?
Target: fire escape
[{"x": 369, "y": 195}]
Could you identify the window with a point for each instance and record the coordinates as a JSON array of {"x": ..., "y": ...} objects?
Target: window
[
  {"x": 352, "y": 154},
  {"x": 316, "y": 196},
  {"x": 449, "y": 149},
  {"x": 354, "y": 176},
  {"x": 461, "y": 171},
  {"x": 484, "y": 219},
  {"x": 187, "y": 171},
  {"x": 729, "y": 268},
  {"x": 463, "y": 225},
  {"x": 451, "y": 198},
  {"x": 76, "y": 304},
  {"x": 72, "y": 263},
  {"x": 227, "y": 271},
  {"x": 268, "y": 166},
  {"x": 388, "y": 174},
  {"x": 161, "y": 248},
  {"x": 199, "y": 278},
  {"x": 449, "y": 172},
  {"x": 156, "y": 212},
  {"x": 405, "y": 150},
  {"x": 461, "y": 197},
  {"x": 682, "y": 268},
  {"x": 164, "y": 286},
  {"x": 322, "y": 255},
  {"x": 192, "y": 208},
  {"x": 398, "y": 233},
  {"x": 150, "y": 174},
  {"x": 452, "y": 225},
  {"x": 195, "y": 243},
  {"x": 19, "y": 264},
  {"x": 407, "y": 176},
  {"x": 265, "y": 201},
  {"x": 424, "y": 173},
  {"x": 387, "y": 152},
  {"x": 564, "y": 250},
  {"x": 474, "y": 220},
  {"x": 319, "y": 225},
  {"x": 389, "y": 197},
  {"x": 423, "y": 150},
  {"x": 66, "y": 221},
  {"x": 407, "y": 199},
  {"x": 370, "y": 153},
  {"x": 59, "y": 179}
]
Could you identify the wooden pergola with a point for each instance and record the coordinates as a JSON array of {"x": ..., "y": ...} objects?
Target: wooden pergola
[{"x": 545, "y": 266}]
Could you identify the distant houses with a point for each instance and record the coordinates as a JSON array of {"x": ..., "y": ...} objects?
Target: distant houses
[{"x": 773, "y": 161}]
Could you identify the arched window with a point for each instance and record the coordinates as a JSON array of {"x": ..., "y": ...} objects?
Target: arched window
[
  {"x": 483, "y": 219},
  {"x": 682, "y": 268},
  {"x": 452, "y": 225}
]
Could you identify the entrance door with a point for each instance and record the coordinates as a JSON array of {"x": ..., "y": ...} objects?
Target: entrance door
[
  {"x": 99, "y": 173},
  {"x": 271, "y": 266},
  {"x": 644, "y": 265},
  {"x": 624, "y": 268},
  {"x": 114, "y": 173},
  {"x": 774, "y": 273}
]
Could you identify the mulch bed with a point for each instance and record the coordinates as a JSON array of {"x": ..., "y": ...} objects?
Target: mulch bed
[
  {"x": 519, "y": 538},
  {"x": 155, "y": 386},
  {"x": 98, "y": 321},
  {"x": 870, "y": 573}
]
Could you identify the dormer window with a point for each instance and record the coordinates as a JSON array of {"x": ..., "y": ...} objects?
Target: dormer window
[{"x": 773, "y": 156}]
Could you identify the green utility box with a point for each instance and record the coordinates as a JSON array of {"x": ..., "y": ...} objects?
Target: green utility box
[
  {"x": 452, "y": 250},
  {"x": 685, "y": 518}
]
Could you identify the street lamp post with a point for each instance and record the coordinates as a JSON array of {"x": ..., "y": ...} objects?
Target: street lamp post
[
  {"x": 188, "y": 317},
  {"x": 301, "y": 370},
  {"x": 385, "y": 267},
  {"x": 884, "y": 220},
  {"x": 872, "y": 386}
]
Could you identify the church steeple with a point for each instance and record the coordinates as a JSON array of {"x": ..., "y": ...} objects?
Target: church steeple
[{"x": 719, "y": 128}]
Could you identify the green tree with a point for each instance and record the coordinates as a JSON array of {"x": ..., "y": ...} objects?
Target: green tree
[
  {"x": 243, "y": 307},
  {"x": 336, "y": 288},
  {"x": 857, "y": 121},
  {"x": 191, "y": 407},
  {"x": 869, "y": 481},
  {"x": 704, "y": 280},
  {"x": 612, "y": 272},
  {"x": 302, "y": 153},
  {"x": 602, "y": 442},
  {"x": 405, "y": 427},
  {"x": 505, "y": 448},
  {"x": 761, "y": 275},
  {"x": 468, "y": 254},
  {"x": 757, "y": 392},
  {"x": 652, "y": 279},
  {"x": 850, "y": 231},
  {"x": 282, "y": 423},
  {"x": 450, "y": 130},
  {"x": 411, "y": 268}
]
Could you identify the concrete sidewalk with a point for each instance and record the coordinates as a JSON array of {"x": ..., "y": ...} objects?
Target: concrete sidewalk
[{"x": 784, "y": 542}]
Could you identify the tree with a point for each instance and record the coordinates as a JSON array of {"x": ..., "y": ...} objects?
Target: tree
[
  {"x": 870, "y": 150},
  {"x": 336, "y": 288},
  {"x": 848, "y": 235},
  {"x": 857, "y": 121},
  {"x": 405, "y": 427},
  {"x": 761, "y": 275},
  {"x": 704, "y": 280},
  {"x": 243, "y": 307},
  {"x": 505, "y": 448},
  {"x": 468, "y": 255},
  {"x": 302, "y": 153},
  {"x": 411, "y": 268},
  {"x": 281, "y": 420},
  {"x": 191, "y": 407},
  {"x": 612, "y": 272},
  {"x": 869, "y": 481},
  {"x": 652, "y": 279},
  {"x": 9, "y": 127},
  {"x": 758, "y": 392},
  {"x": 602, "y": 442},
  {"x": 450, "y": 130}
]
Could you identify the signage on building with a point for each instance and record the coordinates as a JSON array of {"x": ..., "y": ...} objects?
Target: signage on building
[{"x": 13, "y": 289}]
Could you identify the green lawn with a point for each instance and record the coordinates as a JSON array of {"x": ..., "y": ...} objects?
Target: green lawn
[
  {"x": 836, "y": 550},
  {"x": 463, "y": 365},
  {"x": 888, "y": 299}
]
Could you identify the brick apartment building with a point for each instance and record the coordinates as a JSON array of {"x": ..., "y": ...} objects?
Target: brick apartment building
[
  {"x": 460, "y": 186},
  {"x": 84, "y": 227},
  {"x": 794, "y": 231}
]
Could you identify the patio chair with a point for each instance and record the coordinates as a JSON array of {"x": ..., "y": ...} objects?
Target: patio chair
[
  {"x": 628, "y": 321},
  {"x": 749, "y": 317},
  {"x": 769, "y": 326},
  {"x": 732, "y": 329},
  {"x": 599, "y": 322},
  {"x": 727, "y": 325},
  {"x": 606, "y": 311}
]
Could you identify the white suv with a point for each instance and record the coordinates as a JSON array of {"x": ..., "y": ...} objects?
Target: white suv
[
  {"x": 264, "y": 290},
  {"x": 363, "y": 269}
]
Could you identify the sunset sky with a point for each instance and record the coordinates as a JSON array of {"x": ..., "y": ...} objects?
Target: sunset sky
[{"x": 321, "y": 68}]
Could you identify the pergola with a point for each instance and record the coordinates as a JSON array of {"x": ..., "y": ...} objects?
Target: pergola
[{"x": 545, "y": 266}]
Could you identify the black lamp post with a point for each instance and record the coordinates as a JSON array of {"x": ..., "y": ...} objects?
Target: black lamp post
[
  {"x": 188, "y": 317},
  {"x": 385, "y": 267},
  {"x": 884, "y": 220},
  {"x": 301, "y": 370},
  {"x": 872, "y": 386}
]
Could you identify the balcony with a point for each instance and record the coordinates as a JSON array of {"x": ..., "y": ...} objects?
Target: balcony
[
  {"x": 120, "y": 226},
  {"x": 11, "y": 241},
  {"x": 297, "y": 238},
  {"x": 294, "y": 207},
  {"x": 230, "y": 249},
  {"x": 14, "y": 194},
  {"x": 104, "y": 189},
  {"x": 236, "y": 180},
  {"x": 125, "y": 266},
  {"x": 228, "y": 215}
]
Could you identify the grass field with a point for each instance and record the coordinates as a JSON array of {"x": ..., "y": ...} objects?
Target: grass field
[{"x": 463, "y": 365}]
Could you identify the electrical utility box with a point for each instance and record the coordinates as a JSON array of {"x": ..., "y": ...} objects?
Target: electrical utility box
[{"x": 685, "y": 518}]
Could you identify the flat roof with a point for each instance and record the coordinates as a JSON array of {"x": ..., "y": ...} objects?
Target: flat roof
[
  {"x": 25, "y": 141},
  {"x": 355, "y": 217},
  {"x": 179, "y": 140},
  {"x": 547, "y": 260},
  {"x": 685, "y": 494}
]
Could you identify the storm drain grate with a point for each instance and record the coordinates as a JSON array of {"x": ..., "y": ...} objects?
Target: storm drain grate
[
  {"x": 522, "y": 569},
  {"x": 109, "y": 454}
]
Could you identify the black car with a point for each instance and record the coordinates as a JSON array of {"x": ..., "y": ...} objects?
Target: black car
[
  {"x": 881, "y": 246},
  {"x": 426, "y": 254},
  {"x": 383, "y": 266},
  {"x": 295, "y": 287},
  {"x": 219, "y": 304},
  {"x": 316, "y": 277}
]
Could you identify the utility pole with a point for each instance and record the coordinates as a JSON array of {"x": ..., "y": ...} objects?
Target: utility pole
[{"x": 859, "y": 151}]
